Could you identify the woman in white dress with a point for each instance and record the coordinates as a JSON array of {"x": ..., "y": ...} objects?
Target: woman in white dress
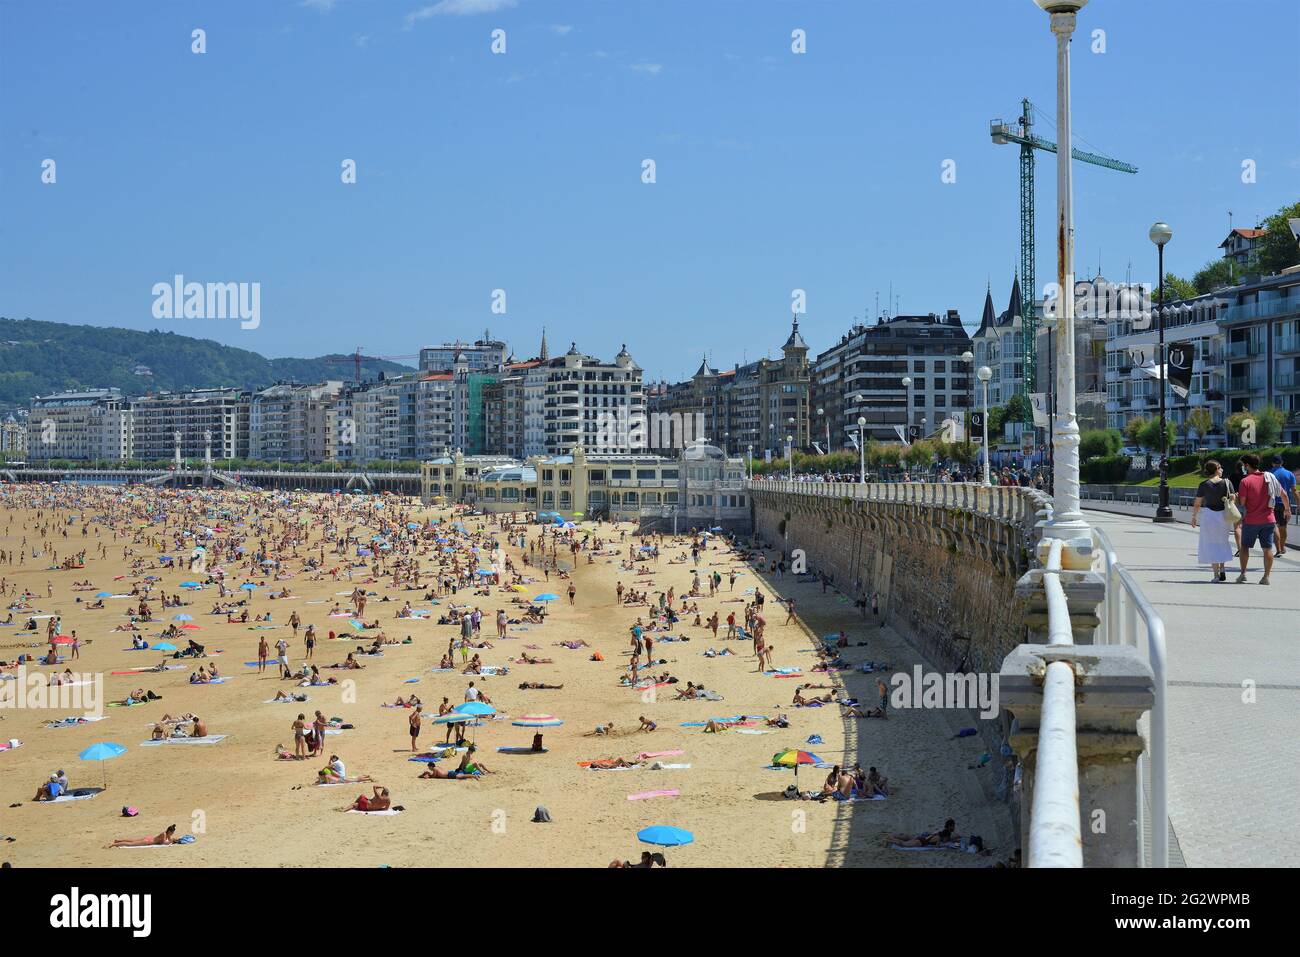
[{"x": 1212, "y": 496}]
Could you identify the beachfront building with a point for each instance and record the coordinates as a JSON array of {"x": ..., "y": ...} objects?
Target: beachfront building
[
  {"x": 482, "y": 355},
  {"x": 1097, "y": 303},
  {"x": 999, "y": 343},
  {"x": 193, "y": 421},
  {"x": 1260, "y": 319},
  {"x": 702, "y": 487},
  {"x": 293, "y": 423},
  {"x": 571, "y": 400},
  {"x": 862, "y": 376},
  {"x": 1132, "y": 364},
  {"x": 88, "y": 425},
  {"x": 13, "y": 439},
  {"x": 503, "y": 410},
  {"x": 400, "y": 419},
  {"x": 755, "y": 405}
]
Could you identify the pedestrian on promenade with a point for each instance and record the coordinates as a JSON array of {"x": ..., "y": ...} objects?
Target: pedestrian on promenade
[
  {"x": 1286, "y": 482},
  {"x": 1213, "y": 495},
  {"x": 1256, "y": 494}
]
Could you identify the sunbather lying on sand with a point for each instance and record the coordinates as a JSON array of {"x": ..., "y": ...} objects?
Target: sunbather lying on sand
[
  {"x": 928, "y": 838},
  {"x": 379, "y": 801},
  {"x": 166, "y": 837},
  {"x": 538, "y": 686}
]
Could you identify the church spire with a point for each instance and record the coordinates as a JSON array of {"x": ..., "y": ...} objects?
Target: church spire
[{"x": 545, "y": 353}]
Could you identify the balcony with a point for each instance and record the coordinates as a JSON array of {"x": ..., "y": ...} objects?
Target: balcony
[
  {"x": 1261, "y": 310},
  {"x": 1286, "y": 344},
  {"x": 1244, "y": 384},
  {"x": 1237, "y": 350}
]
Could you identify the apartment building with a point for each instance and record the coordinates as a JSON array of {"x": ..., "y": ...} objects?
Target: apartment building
[
  {"x": 904, "y": 370},
  {"x": 192, "y": 421},
  {"x": 570, "y": 401},
  {"x": 293, "y": 423},
  {"x": 87, "y": 425},
  {"x": 482, "y": 355}
]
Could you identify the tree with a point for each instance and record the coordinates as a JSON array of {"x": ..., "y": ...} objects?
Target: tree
[
  {"x": 1149, "y": 435},
  {"x": 1133, "y": 429},
  {"x": 1277, "y": 248},
  {"x": 1269, "y": 420},
  {"x": 1235, "y": 423},
  {"x": 1215, "y": 273},
  {"x": 1177, "y": 288},
  {"x": 1200, "y": 421},
  {"x": 1095, "y": 443},
  {"x": 919, "y": 453}
]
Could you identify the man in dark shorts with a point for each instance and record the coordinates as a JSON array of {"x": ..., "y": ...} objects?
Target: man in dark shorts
[
  {"x": 415, "y": 719},
  {"x": 1255, "y": 498},
  {"x": 1282, "y": 503}
]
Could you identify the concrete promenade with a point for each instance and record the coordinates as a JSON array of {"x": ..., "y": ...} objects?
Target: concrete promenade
[{"x": 1233, "y": 697}]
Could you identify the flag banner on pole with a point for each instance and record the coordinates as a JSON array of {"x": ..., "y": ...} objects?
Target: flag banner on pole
[
  {"x": 853, "y": 437},
  {"x": 817, "y": 446},
  {"x": 1039, "y": 401},
  {"x": 902, "y": 433},
  {"x": 1179, "y": 367},
  {"x": 767, "y": 456}
]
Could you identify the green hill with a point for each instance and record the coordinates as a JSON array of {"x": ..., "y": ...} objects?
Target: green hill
[{"x": 37, "y": 358}]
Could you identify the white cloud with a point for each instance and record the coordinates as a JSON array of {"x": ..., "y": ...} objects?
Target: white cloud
[
  {"x": 458, "y": 8},
  {"x": 561, "y": 29},
  {"x": 652, "y": 69},
  {"x": 321, "y": 5},
  {"x": 361, "y": 39}
]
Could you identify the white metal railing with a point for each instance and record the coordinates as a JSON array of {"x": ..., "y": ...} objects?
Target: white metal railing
[
  {"x": 1055, "y": 838},
  {"x": 1124, "y": 606}
]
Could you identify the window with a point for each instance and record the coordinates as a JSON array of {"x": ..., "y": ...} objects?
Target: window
[
  {"x": 621, "y": 473},
  {"x": 645, "y": 473}
]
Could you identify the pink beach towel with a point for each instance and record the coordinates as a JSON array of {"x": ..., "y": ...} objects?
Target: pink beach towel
[
  {"x": 671, "y": 792},
  {"x": 659, "y": 754}
]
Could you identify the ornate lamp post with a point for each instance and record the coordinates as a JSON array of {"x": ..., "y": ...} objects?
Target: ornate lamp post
[
  {"x": 1067, "y": 519},
  {"x": 1160, "y": 234},
  {"x": 862, "y": 450},
  {"x": 984, "y": 373}
]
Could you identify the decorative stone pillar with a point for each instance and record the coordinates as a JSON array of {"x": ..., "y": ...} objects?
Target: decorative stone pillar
[{"x": 1113, "y": 688}]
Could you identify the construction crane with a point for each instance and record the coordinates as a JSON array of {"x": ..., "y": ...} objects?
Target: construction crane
[
  {"x": 358, "y": 358},
  {"x": 1022, "y": 134}
]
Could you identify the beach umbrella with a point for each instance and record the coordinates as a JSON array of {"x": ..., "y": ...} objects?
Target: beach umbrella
[
  {"x": 101, "y": 752},
  {"x": 182, "y": 617},
  {"x": 190, "y": 585},
  {"x": 454, "y": 717},
  {"x": 537, "y": 721},
  {"x": 665, "y": 836},
  {"x": 518, "y": 588},
  {"x": 163, "y": 646},
  {"x": 546, "y": 597},
  {"x": 476, "y": 708},
  {"x": 248, "y": 586},
  {"x": 190, "y": 627},
  {"x": 793, "y": 757},
  {"x": 104, "y": 594},
  {"x": 485, "y": 572},
  {"x": 62, "y": 639}
]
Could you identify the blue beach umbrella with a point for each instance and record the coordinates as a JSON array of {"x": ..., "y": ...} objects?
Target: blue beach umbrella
[
  {"x": 163, "y": 646},
  {"x": 476, "y": 708},
  {"x": 104, "y": 594},
  {"x": 546, "y": 597},
  {"x": 182, "y": 617},
  {"x": 248, "y": 586},
  {"x": 190, "y": 585},
  {"x": 101, "y": 752},
  {"x": 665, "y": 836}
]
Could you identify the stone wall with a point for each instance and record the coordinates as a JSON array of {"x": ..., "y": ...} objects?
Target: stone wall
[{"x": 945, "y": 578}]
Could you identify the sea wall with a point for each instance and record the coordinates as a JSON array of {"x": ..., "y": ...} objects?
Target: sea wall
[{"x": 943, "y": 567}]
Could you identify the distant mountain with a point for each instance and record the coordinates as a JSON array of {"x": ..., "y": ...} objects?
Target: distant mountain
[{"x": 37, "y": 358}]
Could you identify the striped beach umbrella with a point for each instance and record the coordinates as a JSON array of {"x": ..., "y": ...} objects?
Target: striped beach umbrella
[{"x": 537, "y": 721}]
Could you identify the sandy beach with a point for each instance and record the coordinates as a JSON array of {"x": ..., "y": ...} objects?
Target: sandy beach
[{"x": 245, "y": 807}]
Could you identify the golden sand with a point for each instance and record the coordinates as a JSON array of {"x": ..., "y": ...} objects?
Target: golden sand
[{"x": 246, "y": 808}]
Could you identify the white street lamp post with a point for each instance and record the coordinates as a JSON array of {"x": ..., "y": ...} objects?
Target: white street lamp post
[
  {"x": 907, "y": 417},
  {"x": 751, "y": 461},
  {"x": 984, "y": 373},
  {"x": 862, "y": 450},
  {"x": 789, "y": 454},
  {"x": 1067, "y": 519}
]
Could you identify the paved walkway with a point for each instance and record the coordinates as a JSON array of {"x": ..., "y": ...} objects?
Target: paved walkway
[{"x": 1234, "y": 773}]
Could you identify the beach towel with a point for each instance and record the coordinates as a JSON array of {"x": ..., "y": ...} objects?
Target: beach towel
[
  {"x": 668, "y": 767},
  {"x": 76, "y": 794},
  {"x": 660, "y": 754},
  {"x": 752, "y": 731},
  {"x": 214, "y": 681},
  {"x": 388, "y": 813},
  {"x": 139, "y": 847},
  {"x": 6, "y": 746},
  {"x": 643, "y": 795},
  {"x": 521, "y": 750},
  {"x": 207, "y": 739}
]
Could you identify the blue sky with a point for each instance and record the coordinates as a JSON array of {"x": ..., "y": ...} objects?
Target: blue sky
[{"x": 522, "y": 171}]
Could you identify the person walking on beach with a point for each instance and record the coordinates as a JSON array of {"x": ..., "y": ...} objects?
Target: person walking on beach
[
  {"x": 1212, "y": 496},
  {"x": 573, "y": 591},
  {"x": 263, "y": 652}
]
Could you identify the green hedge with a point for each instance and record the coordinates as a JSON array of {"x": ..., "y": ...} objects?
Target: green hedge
[
  {"x": 1107, "y": 470},
  {"x": 1192, "y": 463}
]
